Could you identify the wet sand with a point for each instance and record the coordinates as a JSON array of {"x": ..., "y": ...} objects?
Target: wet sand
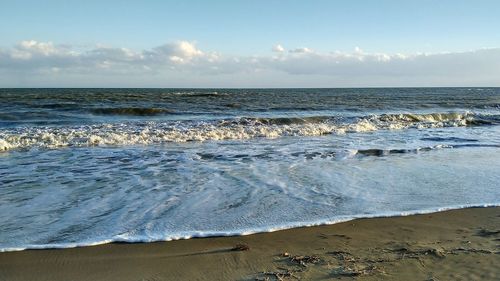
[{"x": 451, "y": 245}]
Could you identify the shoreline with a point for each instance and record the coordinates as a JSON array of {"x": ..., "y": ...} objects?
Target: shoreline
[
  {"x": 345, "y": 219},
  {"x": 460, "y": 244}
]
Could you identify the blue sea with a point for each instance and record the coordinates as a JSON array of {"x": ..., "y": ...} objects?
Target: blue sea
[{"x": 90, "y": 166}]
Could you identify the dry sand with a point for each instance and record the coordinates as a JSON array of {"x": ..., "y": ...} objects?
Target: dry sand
[{"x": 452, "y": 245}]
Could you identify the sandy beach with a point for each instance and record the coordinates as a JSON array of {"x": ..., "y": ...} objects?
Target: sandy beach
[
  {"x": 249, "y": 140},
  {"x": 451, "y": 245}
]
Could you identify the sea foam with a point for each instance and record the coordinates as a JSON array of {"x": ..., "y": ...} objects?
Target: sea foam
[{"x": 143, "y": 133}]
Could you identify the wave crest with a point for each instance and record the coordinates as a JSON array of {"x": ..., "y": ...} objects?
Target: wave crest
[{"x": 229, "y": 129}]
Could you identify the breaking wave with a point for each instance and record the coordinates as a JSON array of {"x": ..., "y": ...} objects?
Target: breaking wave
[
  {"x": 143, "y": 133},
  {"x": 200, "y": 94}
]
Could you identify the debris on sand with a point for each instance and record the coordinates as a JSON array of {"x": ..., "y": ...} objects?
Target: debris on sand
[
  {"x": 343, "y": 256},
  {"x": 415, "y": 254},
  {"x": 353, "y": 271},
  {"x": 241, "y": 247},
  {"x": 278, "y": 275},
  {"x": 304, "y": 260}
]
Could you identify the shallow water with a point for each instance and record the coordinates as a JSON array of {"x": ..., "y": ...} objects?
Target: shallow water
[{"x": 87, "y": 166}]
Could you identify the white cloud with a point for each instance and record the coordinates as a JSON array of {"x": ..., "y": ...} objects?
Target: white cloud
[
  {"x": 31, "y": 49},
  {"x": 178, "y": 52},
  {"x": 183, "y": 64},
  {"x": 33, "y": 46},
  {"x": 301, "y": 50},
  {"x": 278, "y": 48}
]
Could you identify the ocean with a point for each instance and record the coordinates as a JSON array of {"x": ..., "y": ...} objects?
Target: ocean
[{"x": 90, "y": 166}]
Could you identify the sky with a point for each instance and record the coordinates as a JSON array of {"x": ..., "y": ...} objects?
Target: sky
[{"x": 259, "y": 43}]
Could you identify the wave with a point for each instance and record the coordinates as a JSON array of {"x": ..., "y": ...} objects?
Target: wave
[
  {"x": 386, "y": 152},
  {"x": 200, "y": 94},
  {"x": 448, "y": 139},
  {"x": 229, "y": 129},
  {"x": 135, "y": 111},
  {"x": 255, "y": 121},
  {"x": 378, "y": 152},
  {"x": 242, "y": 232}
]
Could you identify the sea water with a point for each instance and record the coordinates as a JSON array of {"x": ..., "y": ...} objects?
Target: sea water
[{"x": 88, "y": 166}]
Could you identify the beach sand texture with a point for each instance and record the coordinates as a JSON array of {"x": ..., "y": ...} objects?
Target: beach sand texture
[{"x": 451, "y": 245}]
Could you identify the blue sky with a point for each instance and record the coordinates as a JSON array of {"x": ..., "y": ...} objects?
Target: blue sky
[{"x": 238, "y": 30}]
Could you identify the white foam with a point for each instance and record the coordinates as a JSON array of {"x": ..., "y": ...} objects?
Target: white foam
[
  {"x": 77, "y": 197},
  {"x": 243, "y": 232},
  {"x": 160, "y": 132}
]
